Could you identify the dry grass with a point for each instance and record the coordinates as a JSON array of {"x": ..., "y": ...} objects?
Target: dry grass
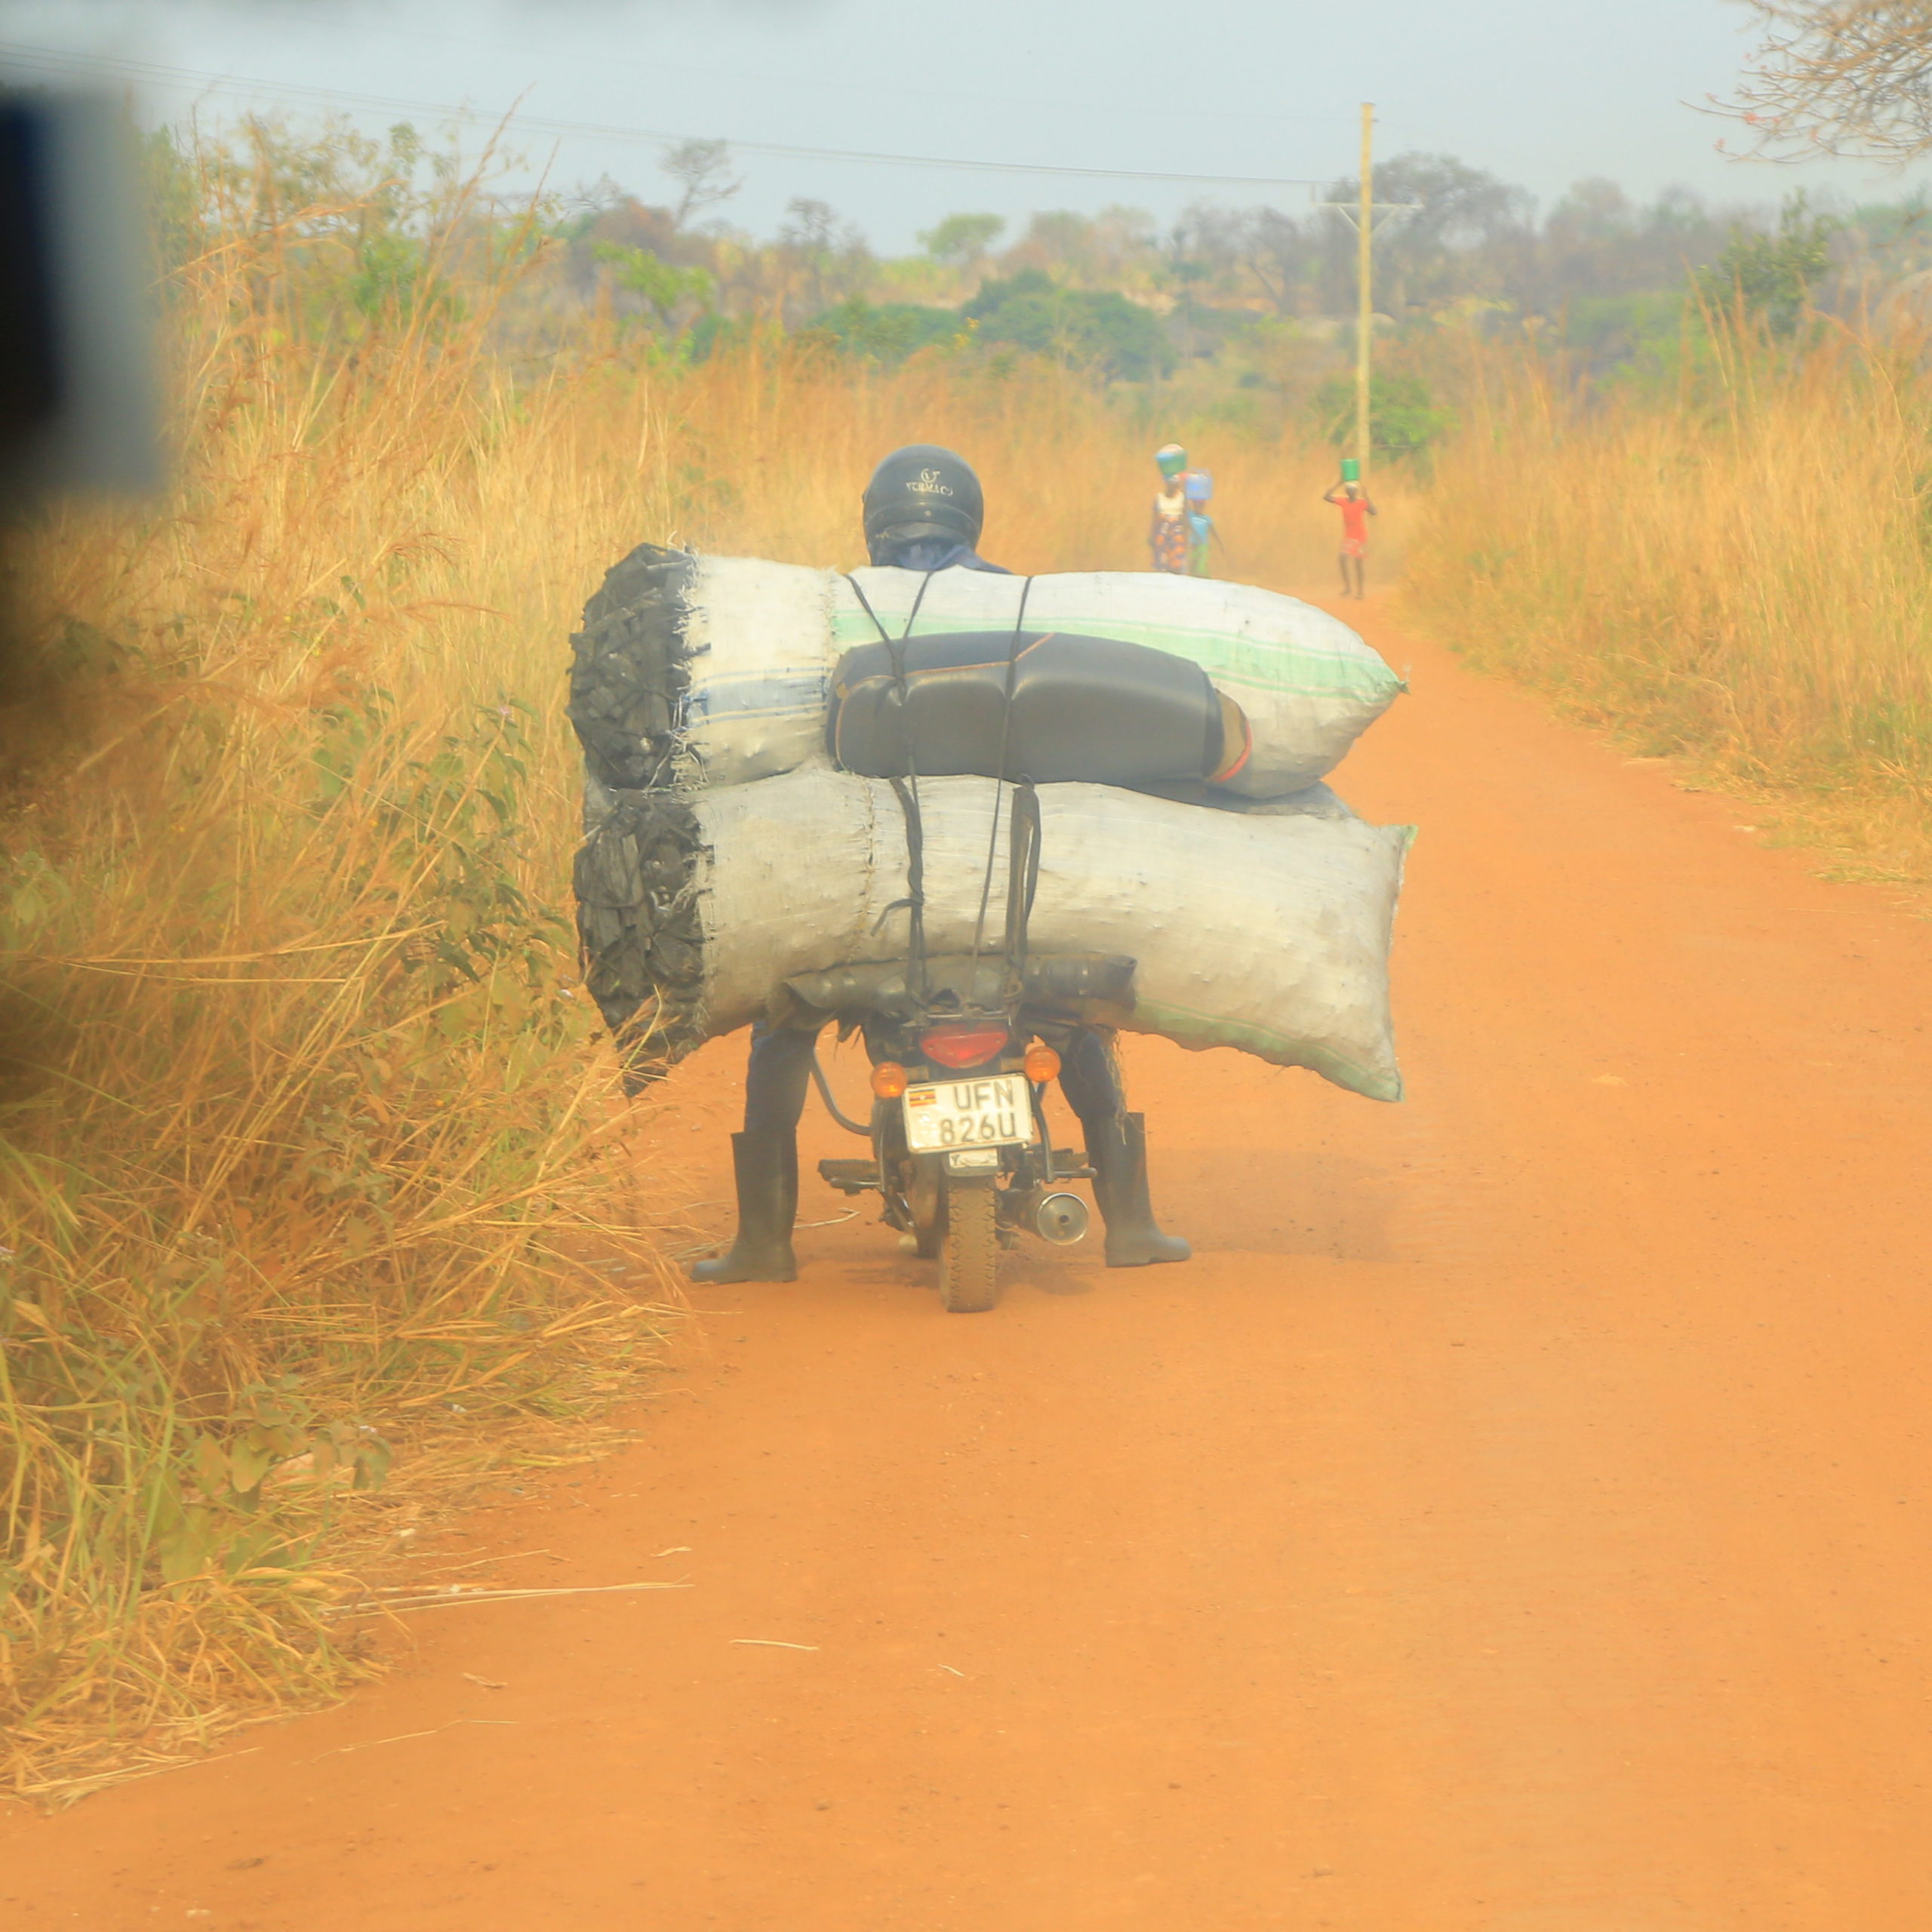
[
  {"x": 767, "y": 453},
  {"x": 312, "y": 1159},
  {"x": 1736, "y": 572}
]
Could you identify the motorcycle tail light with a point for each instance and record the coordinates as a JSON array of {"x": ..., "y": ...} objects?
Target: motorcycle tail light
[
  {"x": 963, "y": 1046},
  {"x": 1042, "y": 1062},
  {"x": 888, "y": 1080}
]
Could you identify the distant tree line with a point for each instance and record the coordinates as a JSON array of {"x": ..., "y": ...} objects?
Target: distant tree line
[
  {"x": 374, "y": 231},
  {"x": 1606, "y": 274}
]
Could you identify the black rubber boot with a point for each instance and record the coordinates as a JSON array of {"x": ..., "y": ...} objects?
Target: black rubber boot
[
  {"x": 766, "y": 1166},
  {"x": 1117, "y": 1151}
]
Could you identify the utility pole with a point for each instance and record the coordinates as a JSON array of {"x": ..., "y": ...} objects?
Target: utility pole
[
  {"x": 1365, "y": 214},
  {"x": 1364, "y": 273}
]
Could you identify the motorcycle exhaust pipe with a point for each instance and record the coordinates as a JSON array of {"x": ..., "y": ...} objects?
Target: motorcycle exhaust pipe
[{"x": 1061, "y": 1219}]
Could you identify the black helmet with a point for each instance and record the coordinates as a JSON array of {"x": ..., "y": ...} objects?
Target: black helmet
[{"x": 923, "y": 491}]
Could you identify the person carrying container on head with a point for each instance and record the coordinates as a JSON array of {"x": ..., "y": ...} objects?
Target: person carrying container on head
[
  {"x": 1351, "y": 500},
  {"x": 1199, "y": 487},
  {"x": 924, "y": 509},
  {"x": 1170, "y": 537}
]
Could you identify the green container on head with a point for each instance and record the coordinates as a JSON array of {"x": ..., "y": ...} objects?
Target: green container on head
[{"x": 1351, "y": 469}]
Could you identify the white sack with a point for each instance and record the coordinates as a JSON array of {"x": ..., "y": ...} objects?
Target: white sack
[
  {"x": 764, "y": 637},
  {"x": 1267, "y": 934}
]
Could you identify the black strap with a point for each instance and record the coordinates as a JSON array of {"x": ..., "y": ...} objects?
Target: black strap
[
  {"x": 907, "y": 792},
  {"x": 999, "y": 770},
  {"x": 1023, "y": 838},
  {"x": 1023, "y": 877},
  {"x": 865, "y": 605},
  {"x": 914, "y": 903},
  {"x": 885, "y": 636}
]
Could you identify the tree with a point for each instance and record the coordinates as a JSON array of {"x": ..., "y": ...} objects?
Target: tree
[
  {"x": 1846, "y": 77},
  {"x": 703, "y": 170},
  {"x": 1117, "y": 247},
  {"x": 887, "y": 332},
  {"x": 1403, "y": 418},
  {"x": 963, "y": 239},
  {"x": 1099, "y": 328},
  {"x": 1213, "y": 237},
  {"x": 1276, "y": 253},
  {"x": 1462, "y": 214},
  {"x": 809, "y": 226},
  {"x": 665, "y": 288},
  {"x": 811, "y": 236},
  {"x": 1772, "y": 275}
]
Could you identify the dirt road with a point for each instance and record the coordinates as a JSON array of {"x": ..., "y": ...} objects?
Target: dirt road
[{"x": 1518, "y": 1517}]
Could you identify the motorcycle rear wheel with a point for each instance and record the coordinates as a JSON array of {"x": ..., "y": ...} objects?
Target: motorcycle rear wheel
[{"x": 969, "y": 1257}]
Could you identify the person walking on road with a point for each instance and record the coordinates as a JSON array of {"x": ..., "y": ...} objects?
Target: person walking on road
[
  {"x": 1199, "y": 487},
  {"x": 924, "y": 509},
  {"x": 1351, "y": 500},
  {"x": 1170, "y": 537}
]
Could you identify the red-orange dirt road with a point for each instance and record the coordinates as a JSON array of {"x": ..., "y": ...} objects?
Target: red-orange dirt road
[{"x": 1518, "y": 1516}]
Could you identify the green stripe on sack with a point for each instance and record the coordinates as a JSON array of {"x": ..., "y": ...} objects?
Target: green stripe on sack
[
  {"x": 1260, "y": 665},
  {"x": 1200, "y": 1031}
]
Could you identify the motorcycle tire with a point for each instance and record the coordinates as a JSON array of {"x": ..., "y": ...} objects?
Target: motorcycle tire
[
  {"x": 969, "y": 1257},
  {"x": 628, "y": 678}
]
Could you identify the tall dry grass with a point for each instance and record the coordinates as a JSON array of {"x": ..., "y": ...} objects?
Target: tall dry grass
[
  {"x": 310, "y": 1161},
  {"x": 313, "y": 1163},
  {"x": 766, "y": 452},
  {"x": 1736, "y": 569}
]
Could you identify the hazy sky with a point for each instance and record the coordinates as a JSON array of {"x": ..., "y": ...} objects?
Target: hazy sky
[{"x": 1540, "y": 92}]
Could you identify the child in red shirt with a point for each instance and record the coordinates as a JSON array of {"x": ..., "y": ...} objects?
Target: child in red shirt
[{"x": 1351, "y": 500}]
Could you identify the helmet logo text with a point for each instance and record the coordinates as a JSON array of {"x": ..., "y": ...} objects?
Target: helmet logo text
[{"x": 929, "y": 484}]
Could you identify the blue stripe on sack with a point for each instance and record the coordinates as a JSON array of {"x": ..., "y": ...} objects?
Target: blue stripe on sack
[{"x": 756, "y": 697}]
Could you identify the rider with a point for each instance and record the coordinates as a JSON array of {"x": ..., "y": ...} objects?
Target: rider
[{"x": 924, "y": 510}]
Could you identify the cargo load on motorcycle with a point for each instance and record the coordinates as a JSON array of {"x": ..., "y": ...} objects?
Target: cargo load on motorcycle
[
  {"x": 693, "y": 672},
  {"x": 744, "y": 725},
  {"x": 1269, "y": 934}
]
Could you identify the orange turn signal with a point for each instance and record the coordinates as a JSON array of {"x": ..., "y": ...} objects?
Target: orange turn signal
[
  {"x": 1042, "y": 1063},
  {"x": 888, "y": 1080}
]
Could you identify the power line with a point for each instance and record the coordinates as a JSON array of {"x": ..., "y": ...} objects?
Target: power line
[
  {"x": 541, "y": 124},
  {"x": 899, "y": 91}
]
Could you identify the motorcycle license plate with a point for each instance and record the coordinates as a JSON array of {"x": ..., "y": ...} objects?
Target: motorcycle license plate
[{"x": 994, "y": 1110}]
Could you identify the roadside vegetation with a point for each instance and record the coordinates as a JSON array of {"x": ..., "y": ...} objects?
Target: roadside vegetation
[
  {"x": 1719, "y": 543},
  {"x": 321, "y": 1203},
  {"x": 317, "y": 1198},
  {"x": 1728, "y": 563}
]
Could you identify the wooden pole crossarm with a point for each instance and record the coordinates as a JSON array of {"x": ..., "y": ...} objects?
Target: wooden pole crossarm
[{"x": 1383, "y": 211}]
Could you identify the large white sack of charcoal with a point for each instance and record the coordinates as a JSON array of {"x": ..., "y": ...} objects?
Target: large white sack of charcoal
[
  {"x": 1267, "y": 934},
  {"x": 744, "y": 651}
]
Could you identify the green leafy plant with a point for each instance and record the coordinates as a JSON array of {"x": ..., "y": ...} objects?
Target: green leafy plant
[
  {"x": 887, "y": 332},
  {"x": 673, "y": 293},
  {"x": 1405, "y": 419},
  {"x": 1771, "y": 276},
  {"x": 1098, "y": 327}
]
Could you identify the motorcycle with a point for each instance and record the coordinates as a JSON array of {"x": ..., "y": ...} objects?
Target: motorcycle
[{"x": 962, "y": 1051}]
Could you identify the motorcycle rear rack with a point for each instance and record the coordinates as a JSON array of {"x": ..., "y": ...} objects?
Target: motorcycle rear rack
[{"x": 856, "y": 1177}]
